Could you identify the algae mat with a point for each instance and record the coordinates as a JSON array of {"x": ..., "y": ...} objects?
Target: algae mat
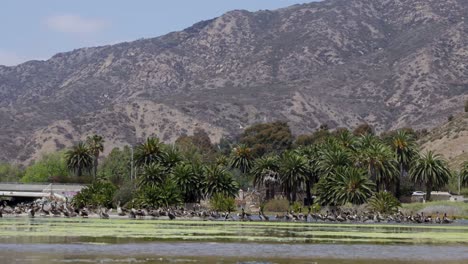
[{"x": 118, "y": 231}]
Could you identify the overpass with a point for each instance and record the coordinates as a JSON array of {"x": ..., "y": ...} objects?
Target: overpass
[{"x": 21, "y": 190}]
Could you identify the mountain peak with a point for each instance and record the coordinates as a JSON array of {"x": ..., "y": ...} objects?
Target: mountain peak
[{"x": 390, "y": 63}]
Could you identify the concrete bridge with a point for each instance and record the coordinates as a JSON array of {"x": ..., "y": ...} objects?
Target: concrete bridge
[{"x": 39, "y": 190}]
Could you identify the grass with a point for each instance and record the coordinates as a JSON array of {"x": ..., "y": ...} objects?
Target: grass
[{"x": 457, "y": 209}]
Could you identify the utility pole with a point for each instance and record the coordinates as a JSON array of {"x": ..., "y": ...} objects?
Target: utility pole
[{"x": 459, "y": 182}]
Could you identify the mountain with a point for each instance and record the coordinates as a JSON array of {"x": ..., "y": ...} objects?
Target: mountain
[
  {"x": 450, "y": 140},
  {"x": 391, "y": 63}
]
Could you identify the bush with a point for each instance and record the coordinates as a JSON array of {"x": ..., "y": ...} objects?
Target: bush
[
  {"x": 125, "y": 193},
  {"x": 296, "y": 207},
  {"x": 384, "y": 202},
  {"x": 277, "y": 205},
  {"x": 97, "y": 194},
  {"x": 222, "y": 203},
  {"x": 163, "y": 195}
]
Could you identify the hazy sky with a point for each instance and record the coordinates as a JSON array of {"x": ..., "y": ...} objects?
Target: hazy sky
[{"x": 37, "y": 29}]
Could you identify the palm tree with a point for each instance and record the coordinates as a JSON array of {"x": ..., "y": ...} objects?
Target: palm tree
[
  {"x": 171, "y": 156},
  {"x": 242, "y": 158},
  {"x": 431, "y": 170},
  {"x": 149, "y": 152},
  {"x": 153, "y": 174},
  {"x": 217, "y": 180},
  {"x": 265, "y": 172},
  {"x": 464, "y": 174},
  {"x": 405, "y": 150},
  {"x": 79, "y": 158},
  {"x": 332, "y": 156},
  {"x": 188, "y": 182},
  {"x": 378, "y": 158},
  {"x": 311, "y": 154},
  {"x": 293, "y": 168},
  {"x": 345, "y": 185},
  {"x": 96, "y": 146}
]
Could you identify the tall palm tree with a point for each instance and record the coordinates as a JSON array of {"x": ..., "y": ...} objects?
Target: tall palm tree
[
  {"x": 404, "y": 147},
  {"x": 188, "y": 182},
  {"x": 265, "y": 172},
  {"x": 378, "y": 159},
  {"x": 293, "y": 168},
  {"x": 149, "y": 152},
  {"x": 96, "y": 146},
  {"x": 217, "y": 180},
  {"x": 79, "y": 158},
  {"x": 242, "y": 158},
  {"x": 333, "y": 156},
  {"x": 431, "y": 170},
  {"x": 464, "y": 174},
  {"x": 312, "y": 175}
]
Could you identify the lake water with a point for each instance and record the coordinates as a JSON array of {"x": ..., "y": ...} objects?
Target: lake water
[{"x": 59, "y": 240}]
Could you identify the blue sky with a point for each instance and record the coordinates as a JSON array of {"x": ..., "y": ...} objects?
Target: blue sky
[{"x": 37, "y": 29}]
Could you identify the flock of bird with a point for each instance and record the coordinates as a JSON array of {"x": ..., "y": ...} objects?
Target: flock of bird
[{"x": 64, "y": 209}]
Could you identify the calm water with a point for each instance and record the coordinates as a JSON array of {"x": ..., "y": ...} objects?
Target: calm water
[{"x": 58, "y": 240}]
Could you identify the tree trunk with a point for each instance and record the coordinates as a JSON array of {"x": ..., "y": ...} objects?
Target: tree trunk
[
  {"x": 267, "y": 192},
  {"x": 293, "y": 198},
  {"x": 95, "y": 163},
  {"x": 309, "y": 195},
  {"x": 428, "y": 191},
  {"x": 79, "y": 172}
]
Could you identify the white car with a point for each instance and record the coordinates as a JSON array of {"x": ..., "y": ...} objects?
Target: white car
[{"x": 419, "y": 193}]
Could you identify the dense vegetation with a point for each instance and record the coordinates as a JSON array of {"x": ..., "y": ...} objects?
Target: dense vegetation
[{"x": 326, "y": 168}]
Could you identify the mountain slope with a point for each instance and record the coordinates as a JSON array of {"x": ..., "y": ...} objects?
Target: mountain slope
[{"x": 390, "y": 63}]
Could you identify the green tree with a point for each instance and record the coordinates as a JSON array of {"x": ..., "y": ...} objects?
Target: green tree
[
  {"x": 384, "y": 202},
  {"x": 100, "y": 193},
  {"x": 188, "y": 182},
  {"x": 241, "y": 158},
  {"x": 265, "y": 172},
  {"x": 10, "y": 173},
  {"x": 171, "y": 156},
  {"x": 345, "y": 185},
  {"x": 313, "y": 171},
  {"x": 163, "y": 195},
  {"x": 431, "y": 170},
  {"x": 50, "y": 167},
  {"x": 151, "y": 151},
  {"x": 292, "y": 171},
  {"x": 217, "y": 180},
  {"x": 464, "y": 174},
  {"x": 404, "y": 147},
  {"x": 200, "y": 140},
  {"x": 377, "y": 158},
  {"x": 95, "y": 145},
  {"x": 267, "y": 138},
  {"x": 153, "y": 174},
  {"x": 116, "y": 167},
  {"x": 79, "y": 158},
  {"x": 333, "y": 156}
]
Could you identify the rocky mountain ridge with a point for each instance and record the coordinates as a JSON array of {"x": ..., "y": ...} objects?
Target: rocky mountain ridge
[{"x": 391, "y": 63}]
